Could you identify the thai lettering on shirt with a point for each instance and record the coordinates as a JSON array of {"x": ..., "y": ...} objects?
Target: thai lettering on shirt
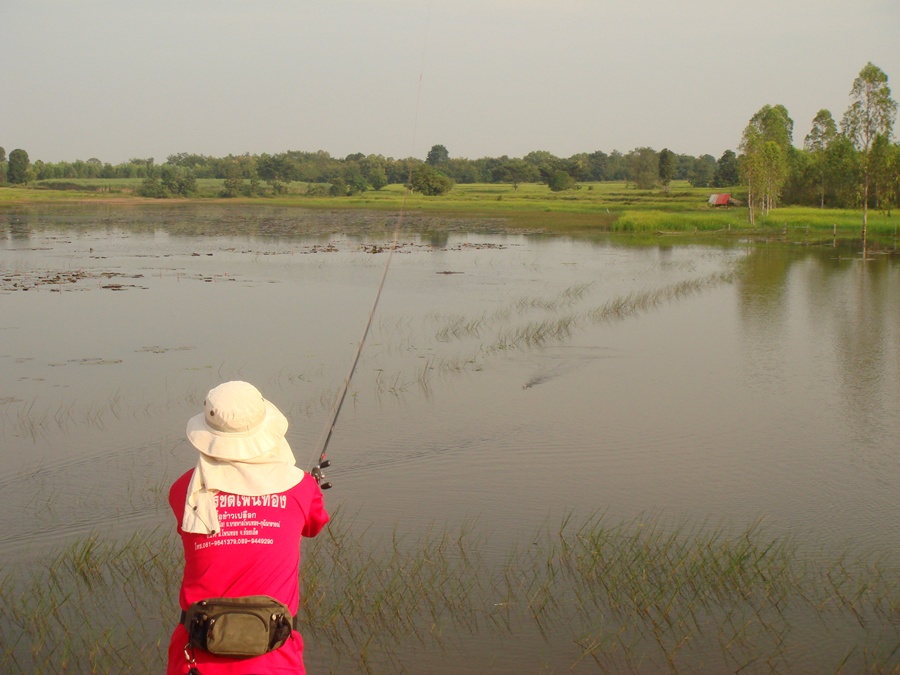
[{"x": 246, "y": 520}]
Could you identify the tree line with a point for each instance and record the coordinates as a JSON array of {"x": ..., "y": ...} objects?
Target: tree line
[
  {"x": 358, "y": 172},
  {"x": 843, "y": 165},
  {"x": 840, "y": 166}
]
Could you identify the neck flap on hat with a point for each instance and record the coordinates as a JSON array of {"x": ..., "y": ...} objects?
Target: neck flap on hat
[{"x": 271, "y": 473}]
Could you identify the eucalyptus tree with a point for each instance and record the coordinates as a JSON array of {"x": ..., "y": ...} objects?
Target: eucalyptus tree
[
  {"x": 818, "y": 140},
  {"x": 766, "y": 147},
  {"x": 871, "y": 112}
]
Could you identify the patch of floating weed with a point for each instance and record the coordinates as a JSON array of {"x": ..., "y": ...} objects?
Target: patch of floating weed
[
  {"x": 58, "y": 280},
  {"x": 154, "y": 349}
]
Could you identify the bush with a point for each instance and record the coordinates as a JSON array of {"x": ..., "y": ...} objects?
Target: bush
[
  {"x": 560, "y": 180},
  {"x": 429, "y": 181}
]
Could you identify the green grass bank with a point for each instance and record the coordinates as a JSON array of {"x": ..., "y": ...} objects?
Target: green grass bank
[{"x": 592, "y": 208}]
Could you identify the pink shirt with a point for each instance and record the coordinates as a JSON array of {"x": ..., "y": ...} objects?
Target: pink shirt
[{"x": 257, "y": 552}]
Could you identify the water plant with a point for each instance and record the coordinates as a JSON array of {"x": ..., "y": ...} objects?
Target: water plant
[{"x": 623, "y": 596}]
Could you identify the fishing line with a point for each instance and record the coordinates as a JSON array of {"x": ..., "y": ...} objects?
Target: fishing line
[{"x": 323, "y": 461}]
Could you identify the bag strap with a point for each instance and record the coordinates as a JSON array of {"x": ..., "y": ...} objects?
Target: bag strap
[{"x": 295, "y": 621}]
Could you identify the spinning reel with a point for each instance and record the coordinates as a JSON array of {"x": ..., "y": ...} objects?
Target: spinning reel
[{"x": 317, "y": 473}]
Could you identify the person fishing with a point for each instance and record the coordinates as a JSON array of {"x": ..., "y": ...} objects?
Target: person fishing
[{"x": 241, "y": 514}]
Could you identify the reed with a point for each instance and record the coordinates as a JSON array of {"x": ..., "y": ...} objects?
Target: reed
[{"x": 624, "y": 596}]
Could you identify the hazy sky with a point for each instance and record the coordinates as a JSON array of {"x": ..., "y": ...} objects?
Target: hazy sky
[{"x": 116, "y": 79}]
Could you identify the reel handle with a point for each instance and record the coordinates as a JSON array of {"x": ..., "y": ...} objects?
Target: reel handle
[{"x": 319, "y": 475}]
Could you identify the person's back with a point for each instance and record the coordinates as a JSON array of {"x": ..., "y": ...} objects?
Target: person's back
[{"x": 241, "y": 512}]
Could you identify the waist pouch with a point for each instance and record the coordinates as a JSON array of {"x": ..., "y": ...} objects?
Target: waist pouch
[{"x": 245, "y": 626}]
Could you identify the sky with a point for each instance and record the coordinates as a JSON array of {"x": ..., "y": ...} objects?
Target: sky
[{"x": 122, "y": 79}]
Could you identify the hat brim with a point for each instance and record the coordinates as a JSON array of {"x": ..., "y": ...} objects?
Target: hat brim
[{"x": 238, "y": 446}]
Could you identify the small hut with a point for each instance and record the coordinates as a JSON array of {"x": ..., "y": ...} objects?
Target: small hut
[{"x": 724, "y": 199}]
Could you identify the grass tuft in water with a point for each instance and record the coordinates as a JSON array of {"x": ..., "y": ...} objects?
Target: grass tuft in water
[{"x": 640, "y": 595}]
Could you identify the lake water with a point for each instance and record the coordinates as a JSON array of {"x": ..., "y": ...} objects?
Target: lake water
[{"x": 508, "y": 379}]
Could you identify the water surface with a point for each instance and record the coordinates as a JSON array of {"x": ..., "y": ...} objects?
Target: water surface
[{"x": 509, "y": 379}]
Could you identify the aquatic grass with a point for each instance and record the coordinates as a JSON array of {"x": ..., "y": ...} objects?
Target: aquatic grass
[
  {"x": 423, "y": 377},
  {"x": 458, "y": 326},
  {"x": 666, "y": 222},
  {"x": 535, "y": 333},
  {"x": 394, "y": 384},
  {"x": 76, "y": 610},
  {"x": 35, "y": 418},
  {"x": 565, "y": 298},
  {"x": 637, "y": 302},
  {"x": 640, "y": 594}
]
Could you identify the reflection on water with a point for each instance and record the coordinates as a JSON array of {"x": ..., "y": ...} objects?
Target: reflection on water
[{"x": 508, "y": 380}]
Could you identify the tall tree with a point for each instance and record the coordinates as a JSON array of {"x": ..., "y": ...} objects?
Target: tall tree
[
  {"x": 234, "y": 181},
  {"x": 885, "y": 173},
  {"x": 766, "y": 151},
  {"x": 17, "y": 170},
  {"x": 816, "y": 143},
  {"x": 643, "y": 167},
  {"x": 871, "y": 112},
  {"x": 727, "y": 170},
  {"x": 774, "y": 124},
  {"x": 843, "y": 172},
  {"x": 667, "y": 165},
  {"x": 437, "y": 156},
  {"x": 276, "y": 170},
  {"x": 597, "y": 165},
  {"x": 703, "y": 171}
]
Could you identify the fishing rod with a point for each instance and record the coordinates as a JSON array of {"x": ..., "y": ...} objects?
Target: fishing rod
[{"x": 323, "y": 462}]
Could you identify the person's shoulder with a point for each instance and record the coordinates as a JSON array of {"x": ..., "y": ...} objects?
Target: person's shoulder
[
  {"x": 179, "y": 487},
  {"x": 306, "y": 488}
]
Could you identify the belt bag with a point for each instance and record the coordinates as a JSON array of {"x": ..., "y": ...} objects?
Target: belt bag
[{"x": 245, "y": 626}]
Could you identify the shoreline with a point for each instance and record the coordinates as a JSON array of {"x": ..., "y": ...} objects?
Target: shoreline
[{"x": 608, "y": 210}]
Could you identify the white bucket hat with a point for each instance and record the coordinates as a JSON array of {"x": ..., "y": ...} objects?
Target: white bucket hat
[
  {"x": 240, "y": 436},
  {"x": 236, "y": 424}
]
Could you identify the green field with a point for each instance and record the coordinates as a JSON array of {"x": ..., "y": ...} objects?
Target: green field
[{"x": 612, "y": 207}]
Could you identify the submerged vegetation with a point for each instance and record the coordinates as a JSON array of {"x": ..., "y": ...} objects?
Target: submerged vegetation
[{"x": 641, "y": 595}]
